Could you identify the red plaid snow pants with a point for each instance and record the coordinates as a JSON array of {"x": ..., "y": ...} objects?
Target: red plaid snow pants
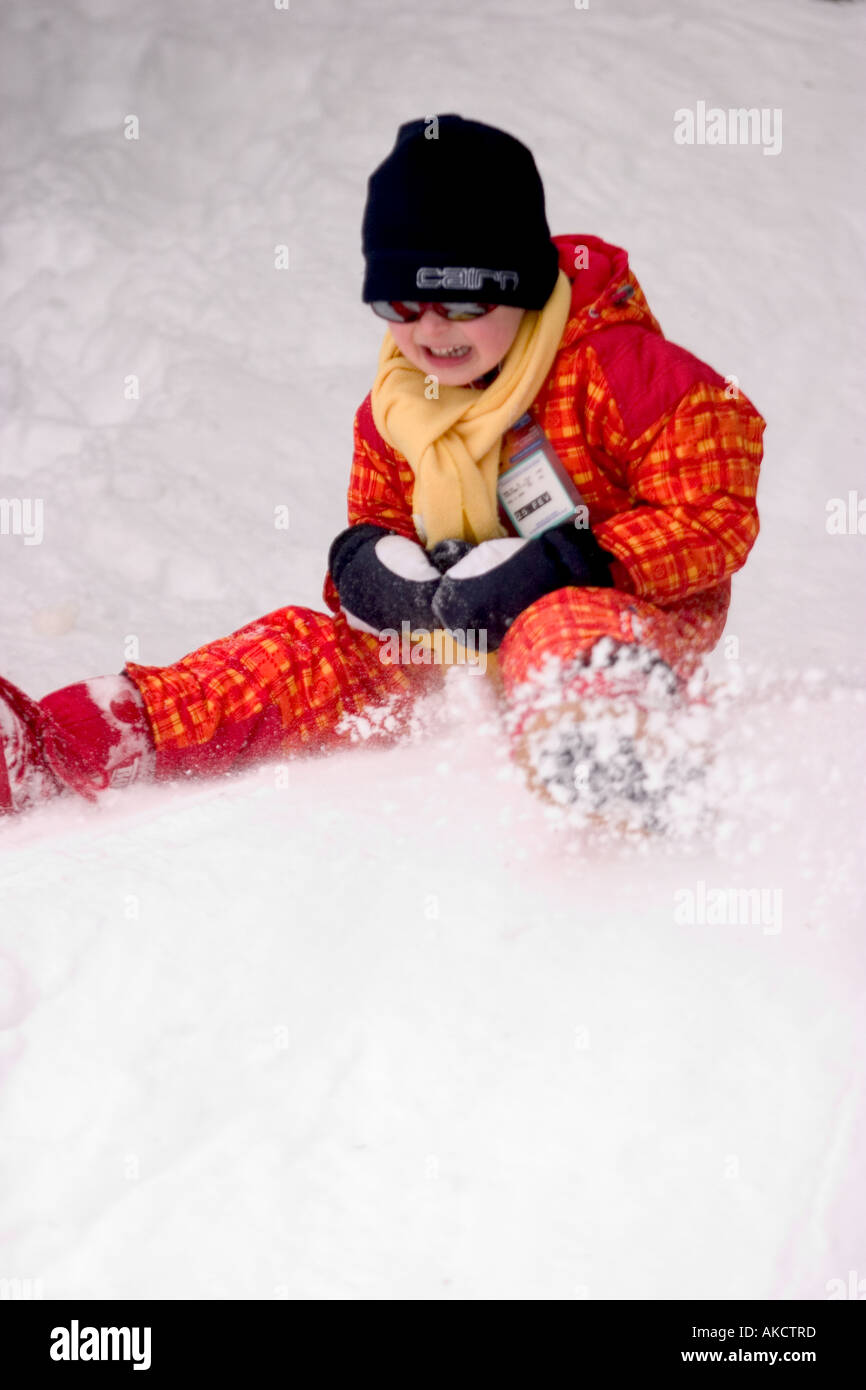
[{"x": 283, "y": 684}]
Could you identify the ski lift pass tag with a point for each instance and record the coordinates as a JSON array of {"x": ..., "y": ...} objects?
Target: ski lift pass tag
[{"x": 533, "y": 495}]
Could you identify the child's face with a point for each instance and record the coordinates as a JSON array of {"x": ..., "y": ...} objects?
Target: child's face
[{"x": 484, "y": 342}]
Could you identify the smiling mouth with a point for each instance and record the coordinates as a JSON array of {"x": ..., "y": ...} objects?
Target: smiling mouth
[{"x": 455, "y": 352}]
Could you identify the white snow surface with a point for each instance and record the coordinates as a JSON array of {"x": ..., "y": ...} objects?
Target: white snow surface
[{"x": 382, "y": 1025}]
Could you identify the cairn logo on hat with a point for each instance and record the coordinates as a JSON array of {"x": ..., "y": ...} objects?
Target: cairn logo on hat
[{"x": 463, "y": 277}]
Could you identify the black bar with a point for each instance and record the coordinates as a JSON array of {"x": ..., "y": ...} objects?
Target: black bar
[{"x": 220, "y": 1338}]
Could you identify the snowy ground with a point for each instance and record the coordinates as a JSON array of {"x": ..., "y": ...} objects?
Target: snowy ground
[{"x": 379, "y": 1025}]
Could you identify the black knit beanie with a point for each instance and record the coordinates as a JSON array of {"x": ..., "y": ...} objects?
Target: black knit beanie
[{"x": 456, "y": 211}]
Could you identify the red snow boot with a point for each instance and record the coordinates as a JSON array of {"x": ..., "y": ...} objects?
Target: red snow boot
[{"x": 84, "y": 739}]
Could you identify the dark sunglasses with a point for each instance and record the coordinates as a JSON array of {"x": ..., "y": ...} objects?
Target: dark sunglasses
[{"x": 410, "y": 310}]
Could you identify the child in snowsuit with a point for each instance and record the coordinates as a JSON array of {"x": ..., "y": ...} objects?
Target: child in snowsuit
[{"x": 488, "y": 320}]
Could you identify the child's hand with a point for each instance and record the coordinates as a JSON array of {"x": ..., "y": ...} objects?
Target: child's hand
[
  {"x": 497, "y": 580},
  {"x": 383, "y": 580},
  {"x": 447, "y": 553}
]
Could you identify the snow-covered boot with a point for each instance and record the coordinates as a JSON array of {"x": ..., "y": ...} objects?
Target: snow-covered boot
[
  {"x": 82, "y": 739},
  {"x": 618, "y": 738}
]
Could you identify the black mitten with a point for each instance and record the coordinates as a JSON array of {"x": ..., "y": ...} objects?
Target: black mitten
[
  {"x": 447, "y": 553},
  {"x": 498, "y": 579},
  {"x": 383, "y": 579}
]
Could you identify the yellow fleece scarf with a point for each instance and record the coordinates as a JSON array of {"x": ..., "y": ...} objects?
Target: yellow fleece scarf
[{"x": 452, "y": 442}]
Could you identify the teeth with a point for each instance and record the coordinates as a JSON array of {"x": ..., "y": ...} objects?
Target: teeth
[{"x": 448, "y": 352}]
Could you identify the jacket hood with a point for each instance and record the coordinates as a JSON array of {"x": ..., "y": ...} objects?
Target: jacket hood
[{"x": 604, "y": 290}]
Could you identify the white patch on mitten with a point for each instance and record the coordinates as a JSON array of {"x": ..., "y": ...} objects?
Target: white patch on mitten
[
  {"x": 489, "y": 555},
  {"x": 406, "y": 559}
]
